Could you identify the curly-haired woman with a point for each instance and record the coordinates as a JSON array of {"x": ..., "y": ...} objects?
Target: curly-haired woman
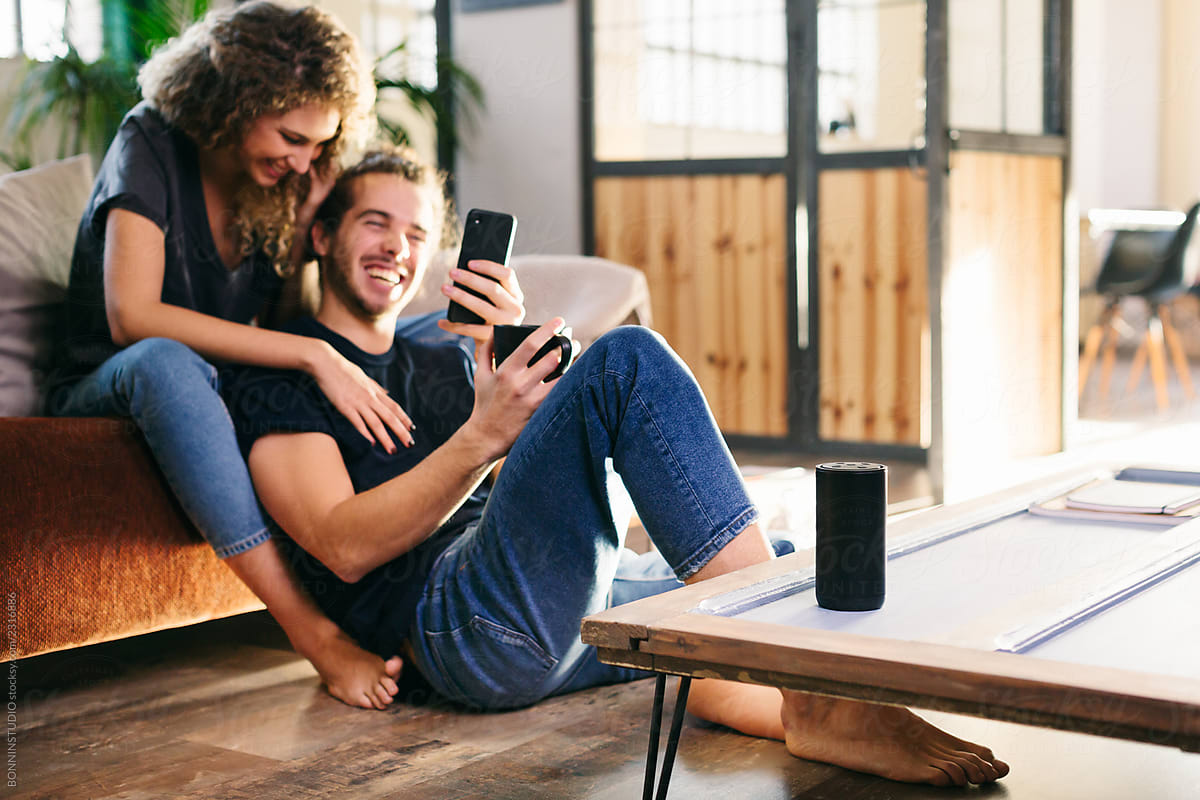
[{"x": 199, "y": 212}]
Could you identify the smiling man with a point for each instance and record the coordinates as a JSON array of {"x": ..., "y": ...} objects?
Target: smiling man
[{"x": 483, "y": 589}]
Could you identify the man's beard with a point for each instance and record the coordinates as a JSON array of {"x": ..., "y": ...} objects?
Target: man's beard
[{"x": 337, "y": 275}]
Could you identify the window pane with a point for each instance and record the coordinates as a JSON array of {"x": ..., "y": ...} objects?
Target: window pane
[
  {"x": 680, "y": 79},
  {"x": 385, "y": 24},
  {"x": 976, "y": 76},
  {"x": 1024, "y": 64},
  {"x": 996, "y": 63},
  {"x": 8, "y": 28},
  {"x": 85, "y": 28},
  {"x": 871, "y": 74},
  {"x": 43, "y": 23}
]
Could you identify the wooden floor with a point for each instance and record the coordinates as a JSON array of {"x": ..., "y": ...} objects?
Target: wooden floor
[{"x": 228, "y": 710}]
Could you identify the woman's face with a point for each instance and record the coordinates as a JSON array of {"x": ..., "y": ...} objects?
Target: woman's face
[{"x": 277, "y": 144}]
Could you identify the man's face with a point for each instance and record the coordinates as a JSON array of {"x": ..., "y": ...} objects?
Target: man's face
[{"x": 376, "y": 258}]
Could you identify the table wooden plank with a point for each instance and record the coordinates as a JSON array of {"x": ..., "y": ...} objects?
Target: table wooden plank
[{"x": 1101, "y": 700}]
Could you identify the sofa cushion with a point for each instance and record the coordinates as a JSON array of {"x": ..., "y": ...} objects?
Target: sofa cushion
[{"x": 40, "y": 209}]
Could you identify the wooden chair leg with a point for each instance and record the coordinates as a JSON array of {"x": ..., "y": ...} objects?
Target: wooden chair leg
[
  {"x": 1110, "y": 356},
  {"x": 1178, "y": 357},
  {"x": 1091, "y": 347},
  {"x": 1135, "y": 368},
  {"x": 1158, "y": 361}
]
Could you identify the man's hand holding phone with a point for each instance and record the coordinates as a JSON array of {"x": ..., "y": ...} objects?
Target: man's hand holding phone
[
  {"x": 483, "y": 290},
  {"x": 502, "y": 301}
]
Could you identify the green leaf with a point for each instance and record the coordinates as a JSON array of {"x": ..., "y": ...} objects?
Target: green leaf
[{"x": 459, "y": 99}]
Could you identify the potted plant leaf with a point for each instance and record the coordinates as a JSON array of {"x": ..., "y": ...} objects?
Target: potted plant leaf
[{"x": 91, "y": 98}]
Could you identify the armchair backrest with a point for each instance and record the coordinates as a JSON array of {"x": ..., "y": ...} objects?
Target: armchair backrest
[{"x": 1156, "y": 263}]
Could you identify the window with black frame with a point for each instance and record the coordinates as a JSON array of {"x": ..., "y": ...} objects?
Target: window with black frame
[{"x": 689, "y": 79}]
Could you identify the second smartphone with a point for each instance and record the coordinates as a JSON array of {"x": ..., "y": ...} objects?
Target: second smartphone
[{"x": 488, "y": 235}]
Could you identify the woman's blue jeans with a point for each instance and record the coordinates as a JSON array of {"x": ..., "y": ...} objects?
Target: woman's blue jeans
[
  {"x": 498, "y": 624},
  {"x": 172, "y": 395}
]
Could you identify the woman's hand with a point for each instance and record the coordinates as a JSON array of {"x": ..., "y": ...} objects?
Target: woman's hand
[
  {"x": 507, "y": 306},
  {"x": 361, "y": 400},
  {"x": 320, "y": 184}
]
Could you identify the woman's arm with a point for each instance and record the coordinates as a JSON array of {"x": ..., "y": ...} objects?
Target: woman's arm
[{"x": 134, "y": 255}]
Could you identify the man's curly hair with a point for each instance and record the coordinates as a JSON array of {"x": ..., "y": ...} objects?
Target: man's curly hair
[{"x": 235, "y": 65}]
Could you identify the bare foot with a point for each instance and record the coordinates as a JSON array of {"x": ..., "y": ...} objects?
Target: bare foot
[
  {"x": 350, "y": 673},
  {"x": 882, "y": 740}
]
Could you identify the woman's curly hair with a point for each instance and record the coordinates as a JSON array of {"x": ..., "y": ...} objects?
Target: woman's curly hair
[{"x": 235, "y": 65}]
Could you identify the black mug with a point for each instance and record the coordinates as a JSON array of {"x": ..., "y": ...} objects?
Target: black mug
[{"x": 509, "y": 337}]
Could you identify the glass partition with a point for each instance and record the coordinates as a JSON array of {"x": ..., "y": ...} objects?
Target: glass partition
[
  {"x": 996, "y": 65},
  {"x": 871, "y": 74},
  {"x": 689, "y": 79}
]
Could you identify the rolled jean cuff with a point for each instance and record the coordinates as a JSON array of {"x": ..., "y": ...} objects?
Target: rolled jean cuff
[
  {"x": 242, "y": 545},
  {"x": 696, "y": 561}
]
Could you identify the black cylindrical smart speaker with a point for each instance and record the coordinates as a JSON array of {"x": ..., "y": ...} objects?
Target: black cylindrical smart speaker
[{"x": 851, "y": 518}]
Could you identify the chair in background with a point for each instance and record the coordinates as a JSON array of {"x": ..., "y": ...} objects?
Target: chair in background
[{"x": 1157, "y": 264}]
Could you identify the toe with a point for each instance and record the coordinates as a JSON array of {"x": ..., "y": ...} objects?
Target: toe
[
  {"x": 976, "y": 769},
  {"x": 953, "y": 771},
  {"x": 937, "y": 777}
]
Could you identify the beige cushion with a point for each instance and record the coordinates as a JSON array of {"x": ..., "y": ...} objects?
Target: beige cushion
[
  {"x": 592, "y": 294},
  {"x": 40, "y": 209}
]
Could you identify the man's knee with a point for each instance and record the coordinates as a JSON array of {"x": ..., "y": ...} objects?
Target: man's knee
[{"x": 638, "y": 344}]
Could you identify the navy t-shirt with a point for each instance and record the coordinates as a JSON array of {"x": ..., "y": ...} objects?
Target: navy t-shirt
[
  {"x": 434, "y": 384},
  {"x": 152, "y": 169}
]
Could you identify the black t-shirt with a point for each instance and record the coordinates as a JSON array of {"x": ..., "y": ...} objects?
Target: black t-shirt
[
  {"x": 434, "y": 384},
  {"x": 152, "y": 169}
]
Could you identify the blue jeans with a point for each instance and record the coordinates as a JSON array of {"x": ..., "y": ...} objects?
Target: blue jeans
[
  {"x": 498, "y": 623},
  {"x": 172, "y": 395}
]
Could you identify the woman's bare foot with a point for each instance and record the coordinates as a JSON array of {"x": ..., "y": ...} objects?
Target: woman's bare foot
[
  {"x": 882, "y": 740},
  {"x": 351, "y": 674}
]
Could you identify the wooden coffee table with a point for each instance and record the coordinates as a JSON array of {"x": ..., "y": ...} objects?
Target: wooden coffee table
[{"x": 992, "y": 611}]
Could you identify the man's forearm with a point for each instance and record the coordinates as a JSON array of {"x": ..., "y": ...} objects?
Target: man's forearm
[{"x": 375, "y": 526}]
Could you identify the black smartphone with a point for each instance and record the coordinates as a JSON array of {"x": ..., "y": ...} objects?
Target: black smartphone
[{"x": 488, "y": 235}]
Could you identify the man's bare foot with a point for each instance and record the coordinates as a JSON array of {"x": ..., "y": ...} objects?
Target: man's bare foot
[
  {"x": 350, "y": 673},
  {"x": 882, "y": 740}
]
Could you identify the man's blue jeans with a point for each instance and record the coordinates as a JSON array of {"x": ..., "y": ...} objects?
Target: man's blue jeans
[
  {"x": 171, "y": 394},
  {"x": 498, "y": 624}
]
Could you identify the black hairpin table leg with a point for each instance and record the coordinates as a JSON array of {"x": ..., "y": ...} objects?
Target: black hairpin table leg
[
  {"x": 660, "y": 683},
  {"x": 660, "y": 686}
]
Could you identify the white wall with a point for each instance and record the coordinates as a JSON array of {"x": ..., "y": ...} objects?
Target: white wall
[
  {"x": 523, "y": 156},
  {"x": 1117, "y": 91}
]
